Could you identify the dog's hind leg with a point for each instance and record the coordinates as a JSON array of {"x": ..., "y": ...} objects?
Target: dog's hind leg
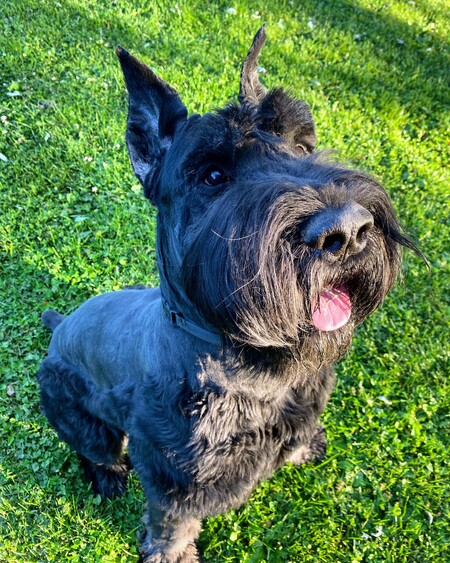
[
  {"x": 107, "y": 480},
  {"x": 64, "y": 394}
]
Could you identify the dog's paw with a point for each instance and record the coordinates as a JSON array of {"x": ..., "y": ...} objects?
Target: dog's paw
[
  {"x": 107, "y": 480},
  {"x": 314, "y": 452},
  {"x": 319, "y": 445},
  {"x": 156, "y": 555}
]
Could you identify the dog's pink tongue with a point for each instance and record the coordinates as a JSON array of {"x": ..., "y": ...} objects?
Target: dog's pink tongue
[{"x": 334, "y": 309}]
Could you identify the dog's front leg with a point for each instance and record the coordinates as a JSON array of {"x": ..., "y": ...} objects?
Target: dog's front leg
[
  {"x": 169, "y": 539},
  {"x": 313, "y": 452}
]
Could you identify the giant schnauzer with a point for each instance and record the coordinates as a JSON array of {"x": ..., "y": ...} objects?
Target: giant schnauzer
[{"x": 269, "y": 256}]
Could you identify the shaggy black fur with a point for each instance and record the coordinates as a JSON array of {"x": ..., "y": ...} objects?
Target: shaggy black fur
[{"x": 254, "y": 232}]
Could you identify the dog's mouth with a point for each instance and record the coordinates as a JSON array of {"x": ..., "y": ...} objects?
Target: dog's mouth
[{"x": 332, "y": 309}]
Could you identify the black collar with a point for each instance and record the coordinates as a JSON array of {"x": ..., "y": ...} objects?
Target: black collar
[{"x": 177, "y": 319}]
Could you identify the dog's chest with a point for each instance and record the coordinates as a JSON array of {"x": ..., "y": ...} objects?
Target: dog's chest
[{"x": 237, "y": 437}]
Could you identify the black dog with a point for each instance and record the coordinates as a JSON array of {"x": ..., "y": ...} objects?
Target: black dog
[{"x": 269, "y": 256}]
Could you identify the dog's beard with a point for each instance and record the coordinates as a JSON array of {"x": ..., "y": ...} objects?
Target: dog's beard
[
  {"x": 295, "y": 294},
  {"x": 253, "y": 278}
]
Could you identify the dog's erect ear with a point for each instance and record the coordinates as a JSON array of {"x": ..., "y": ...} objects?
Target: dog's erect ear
[
  {"x": 251, "y": 90},
  {"x": 278, "y": 113},
  {"x": 155, "y": 111}
]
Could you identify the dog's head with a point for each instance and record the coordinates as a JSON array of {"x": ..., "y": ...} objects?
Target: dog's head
[{"x": 258, "y": 236}]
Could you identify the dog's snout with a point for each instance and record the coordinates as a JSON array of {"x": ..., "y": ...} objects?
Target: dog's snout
[{"x": 339, "y": 231}]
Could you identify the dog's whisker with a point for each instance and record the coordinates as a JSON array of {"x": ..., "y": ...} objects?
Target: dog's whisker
[
  {"x": 234, "y": 239},
  {"x": 237, "y": 290}
]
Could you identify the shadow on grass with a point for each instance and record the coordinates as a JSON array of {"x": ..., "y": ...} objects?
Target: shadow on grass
[{"x": 407, "y": 50}]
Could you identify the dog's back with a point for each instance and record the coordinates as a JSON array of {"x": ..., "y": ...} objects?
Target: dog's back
[{"x": 110, "y": 337}]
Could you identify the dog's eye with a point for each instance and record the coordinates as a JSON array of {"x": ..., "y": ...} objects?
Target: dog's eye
[{"x": 215, "y": 176}]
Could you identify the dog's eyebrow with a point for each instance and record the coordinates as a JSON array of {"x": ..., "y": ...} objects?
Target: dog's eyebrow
[
  {"x": 210, "y": 148},
  {"x": 220, "y": 154},
  {"x": 213, "y": 141}
]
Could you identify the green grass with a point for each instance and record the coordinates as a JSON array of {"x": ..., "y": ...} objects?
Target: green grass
[{"x": 74, "y": 224}]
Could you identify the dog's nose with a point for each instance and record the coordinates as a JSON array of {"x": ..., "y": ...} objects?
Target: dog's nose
[{"x": 339, "y": 231}]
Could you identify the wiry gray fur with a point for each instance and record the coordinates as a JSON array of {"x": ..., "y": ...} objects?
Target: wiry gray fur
[{"x": 240, "y": 201}]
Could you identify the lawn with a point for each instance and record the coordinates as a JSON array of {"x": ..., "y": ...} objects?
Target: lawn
[{"x": 73, "y": 223}]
